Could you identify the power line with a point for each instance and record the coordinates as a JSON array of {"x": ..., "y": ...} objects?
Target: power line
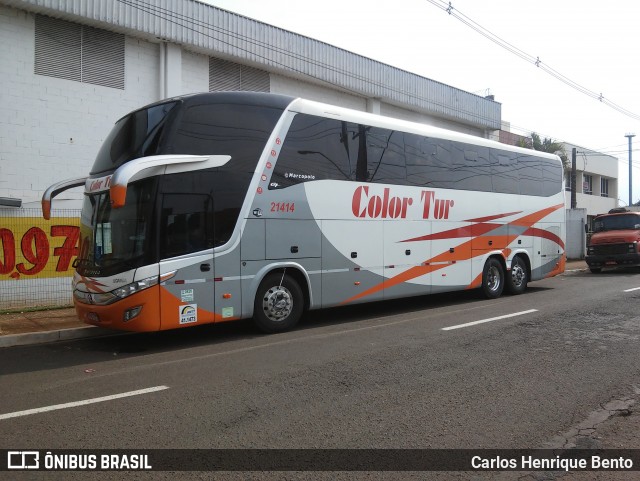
[
  {"x": 225, "y": 36},
  {"x": 448, "y": 7}
]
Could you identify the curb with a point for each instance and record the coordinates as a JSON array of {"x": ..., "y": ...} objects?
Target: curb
[
  {"x": 574, "y": 271},
  {"x": 11, "y": 340}
]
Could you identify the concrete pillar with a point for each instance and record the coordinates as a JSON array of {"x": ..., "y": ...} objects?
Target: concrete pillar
[
  {"x": 373, "y": 106},
  {"x": 170, "y": 70}
]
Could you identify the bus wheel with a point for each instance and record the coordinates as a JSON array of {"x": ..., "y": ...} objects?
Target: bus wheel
[
  {"x": 517, "y": 281},
  {"x": 279, "y": 303},
  {"x": 595, "y": 270},
  {"x": 492, "y": 279}
]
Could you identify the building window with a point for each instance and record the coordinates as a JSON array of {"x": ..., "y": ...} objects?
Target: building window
[
  {"x": 76, "y": 52},
  {"x": 604, "y": 187},
  {"x": 224, "y": 75},
  {"x": 567, "y": 181},
  {"x": 587, "y": 185}
]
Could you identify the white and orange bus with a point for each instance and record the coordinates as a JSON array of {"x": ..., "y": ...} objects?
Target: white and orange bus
[{"x": 220, "y": 206}]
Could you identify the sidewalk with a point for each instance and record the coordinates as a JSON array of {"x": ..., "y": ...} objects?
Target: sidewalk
[{"x": 21, "y": 328}]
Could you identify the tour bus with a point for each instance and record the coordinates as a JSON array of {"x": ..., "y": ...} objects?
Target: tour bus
[{"x": 220, "y": 206}]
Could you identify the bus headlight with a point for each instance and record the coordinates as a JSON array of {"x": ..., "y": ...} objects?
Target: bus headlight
[{"x": 126, "y": 291}]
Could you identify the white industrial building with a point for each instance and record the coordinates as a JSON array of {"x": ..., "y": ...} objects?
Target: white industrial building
[
  {"x": 596, "y": 181},
  {"x": 70, "y": 69}
]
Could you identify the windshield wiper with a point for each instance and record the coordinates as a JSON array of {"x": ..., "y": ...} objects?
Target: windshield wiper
[{"x": 82, "y": 263}]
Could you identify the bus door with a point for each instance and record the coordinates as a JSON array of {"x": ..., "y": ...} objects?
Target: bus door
[{"x": 187, "y": 264}]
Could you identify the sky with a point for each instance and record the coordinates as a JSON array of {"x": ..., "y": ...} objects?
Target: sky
[{"x": 595, "y": 45}]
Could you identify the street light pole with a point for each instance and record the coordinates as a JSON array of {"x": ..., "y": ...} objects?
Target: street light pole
[{"x": 630, "y": 136}]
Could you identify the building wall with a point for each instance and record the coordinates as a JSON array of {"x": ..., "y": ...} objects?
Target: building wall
[
  {"x": 599, "y": 166},
  {"x": 576, "y": 237},
  {"x": 51, "y": 128},
  {"x": 298, "y": 88},
  {"x": 195, "y": 72},
  {"x": 404, "y": 114}
]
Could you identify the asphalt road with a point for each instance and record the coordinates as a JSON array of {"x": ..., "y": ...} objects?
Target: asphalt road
[{"x": 386, "y": 375}]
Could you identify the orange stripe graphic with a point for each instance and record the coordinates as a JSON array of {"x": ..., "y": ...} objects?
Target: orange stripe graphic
[{"x": 461, "y": 252}]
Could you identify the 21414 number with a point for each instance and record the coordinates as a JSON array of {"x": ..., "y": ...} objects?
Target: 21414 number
[{"x": 283, "y": 206}]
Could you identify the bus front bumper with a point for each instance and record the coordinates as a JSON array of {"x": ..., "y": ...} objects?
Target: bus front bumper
[{"x": 139, "y": 312}]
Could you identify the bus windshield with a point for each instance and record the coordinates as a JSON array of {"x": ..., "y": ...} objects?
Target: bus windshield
[
  {"x": 136, "y": 135},
  {"x": 617, "y": 222},
  {"x": 117, "y": 240}
]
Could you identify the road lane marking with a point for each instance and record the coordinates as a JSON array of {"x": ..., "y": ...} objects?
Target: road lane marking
[
  {"x": 312, "y": 337},
  {"x": 81, "y": 403},
  {"x": 474, "y": 323},
  {"x": 631, "y": 290}
]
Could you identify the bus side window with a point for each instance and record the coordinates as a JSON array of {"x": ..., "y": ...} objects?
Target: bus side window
[
  {"x": 504, "y": 172},
  {"x": 551, "y": 177},
  {"x": 386, "y": 162},
  {"x": 530, "y": 173},
  {"x": 418, "y": 154},
  {"x": 470, "y": 168},
  {"x": 428, "y": 161},
  {"x": 316, "y": 148}
]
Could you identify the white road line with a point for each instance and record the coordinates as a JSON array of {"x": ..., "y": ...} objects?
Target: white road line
[
  {"x": 631, "y": 290},
  {"x": 81, "y": 403},
  {"x": 459, "y": 326}
]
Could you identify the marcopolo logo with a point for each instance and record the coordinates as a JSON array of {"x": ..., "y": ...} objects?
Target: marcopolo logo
[
  {"x": 188, "y": 313},
  {"x": 23, "y": 460}
]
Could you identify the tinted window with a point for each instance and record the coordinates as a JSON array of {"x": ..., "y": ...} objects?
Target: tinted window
[
  {"x": 551, "y": 177},
  {"x": 136, "y": 135},
  {"x": 385, "y": 156},
  {"x": 186, "y": 224},
  {"x": 240, "y": 131},
  {"x": 470, "y": 167},
  {"x": 200, "y": 209},
  {"x": 428, "y": 161},
  {"x": 317, "y": 149},
  {"x": 530, "y": 173},
  {"x": 504, "y": 172}
]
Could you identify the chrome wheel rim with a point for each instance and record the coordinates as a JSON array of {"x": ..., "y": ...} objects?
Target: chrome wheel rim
[
  {"x": 493, "y": 278},
  {"x": 518, "y": 275},
  {"x": 277, "y": 303}
]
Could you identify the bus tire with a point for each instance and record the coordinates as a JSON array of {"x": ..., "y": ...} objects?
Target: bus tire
[
  {"x": 492, "y": 279},
  {"x": 595, "y": 270},
  {"x": 517, "y": 279},
  {"x": 279, "y": 303}
]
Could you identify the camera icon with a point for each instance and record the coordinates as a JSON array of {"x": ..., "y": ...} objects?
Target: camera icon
[{"x": 23, "y": 460}]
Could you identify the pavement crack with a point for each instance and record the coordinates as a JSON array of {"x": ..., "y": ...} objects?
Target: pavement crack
[{"x": 583, "y": 434}]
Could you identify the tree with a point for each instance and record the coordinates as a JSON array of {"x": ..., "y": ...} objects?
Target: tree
[{"x": 546, "y": 145}]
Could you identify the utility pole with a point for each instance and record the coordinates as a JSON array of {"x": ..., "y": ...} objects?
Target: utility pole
[
  {"x": 574, "y": 202},
  {"x": 630, "y": 136}
]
